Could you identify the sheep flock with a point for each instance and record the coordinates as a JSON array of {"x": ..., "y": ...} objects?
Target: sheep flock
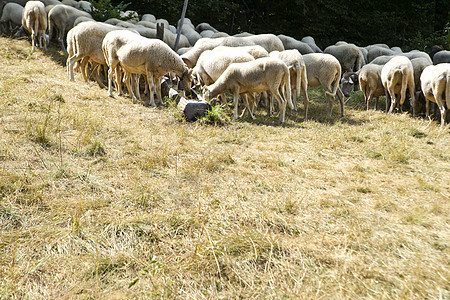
[{"x": 256, "y": 68}]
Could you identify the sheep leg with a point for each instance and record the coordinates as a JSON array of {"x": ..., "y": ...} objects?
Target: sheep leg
[
  {"x": 281, "y": 104},
  {"x": 341, "y": 100},
  {"x": 127, "y": 80},
  {"x": 136, "y": 78},
  {"x": 111, "y": 72},
  {"x": 411, "y": 89},
  {"x": 438, "y": 96},
  {"x": 393, "y": 99},
  {"x": 236, "y": 104},
  {"x": 158, "y": 88},
  {"x": 304, "y": 84},
  {"x": 150, "y": 82},
  {"x": 70, "y": 65}
]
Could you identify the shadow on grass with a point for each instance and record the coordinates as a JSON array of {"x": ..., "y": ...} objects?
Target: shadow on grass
[{"x": 56, "y": 54}]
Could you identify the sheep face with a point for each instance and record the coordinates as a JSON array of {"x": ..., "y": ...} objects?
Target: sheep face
[{"x": 349, "y": 82}]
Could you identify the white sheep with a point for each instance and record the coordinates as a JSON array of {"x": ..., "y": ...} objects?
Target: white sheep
[
  {"x": 312, "y": 43},
  {"x": 85, "y": 5},
  {"x": 348, "y": 55},
  {"x": 139, "y": 55},
  {"x": 61, "y": 18},
  {"x": 11, "y": 17},
  {"x": 324, "y": 69},
  {"x": 397, "y": 75},
  {"x": 435, "y": 83},
  {"x": 34, "y": 20},
  {"x": 370, "y": 83},
  {"x": 205, "y": 26},
  {"x": 254, "y": 77},
  {"x": 148, "y": 18},
  {"x": 298, "y": 77},
  {"x": 269, "y": 42},
  {"x": 441, "y": 57}
]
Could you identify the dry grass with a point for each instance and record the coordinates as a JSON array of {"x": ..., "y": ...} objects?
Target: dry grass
[{"x": 105, "y": 198}]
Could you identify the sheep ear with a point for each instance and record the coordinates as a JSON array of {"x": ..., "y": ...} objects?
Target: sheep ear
[
  {"x": 350, "y": 81},
  {"x": 187, "y": 62}
]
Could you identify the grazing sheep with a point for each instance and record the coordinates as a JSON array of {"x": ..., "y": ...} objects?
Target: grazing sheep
[
  {"x": 441, "y": 57},
  {"x": 370, "y": 83},
  {"x": 61, "y": 18},
  {"x": 375, "y": 51},
  {"x": 254, "y": 77},
  {"x": 85, "y": 5},
  {"x": 189, "y": 31},
  {"x": 397, "y": 75},
  {"x": 4, "y": 2},
  {"x": 416, "y": 54},
  {"x": 85, "y": 40},
  {"x": 381, "y": 60},
  {"x": 435, "y": 82},
  {"x": 72, "y": 3},
  {"x": 207, "y": 33},
  {"x": 349, "y": 82},
  {"x": 419, "y": 64},
  {"x": 324, "y": 69},
  {"x": 298, "y": 78},
  {"x": 219, "y": 35},
  {"x": 34, "y": 20},
  {"x": 11, "y": 17},
  {"x": 291, "y": 43},
  {"x": 348, "y": 55},
  {"x": 268, "y": 41},
  {"x": 212, "y": 63},
  {"x": 139, "y": 55},
  {"x": 397, "y": 50},
  {"x": 205, "y": 26},
  {"x": 312, "y": 43}
]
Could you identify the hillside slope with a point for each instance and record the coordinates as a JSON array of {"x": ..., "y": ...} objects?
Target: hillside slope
[{"x": 102, "y": 197}]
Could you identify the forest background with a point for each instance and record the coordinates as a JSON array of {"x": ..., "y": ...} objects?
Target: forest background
[{"x": 416, "y": 24}]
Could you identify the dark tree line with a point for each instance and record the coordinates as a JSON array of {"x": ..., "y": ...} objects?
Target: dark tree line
[{"x": 415, "y": 24}]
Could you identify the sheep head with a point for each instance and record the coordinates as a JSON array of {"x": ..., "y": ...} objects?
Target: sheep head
[{"x": 349, "y": 81}]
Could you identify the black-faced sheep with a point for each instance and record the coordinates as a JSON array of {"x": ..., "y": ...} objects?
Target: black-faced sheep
[
  {"x": 397, "y": 75},
  {"x": 34, "y": 20},
  {"x": 324, "y": 69},
  {"x": 254, "y": 77},
  {"x": 435, "y": 82}
]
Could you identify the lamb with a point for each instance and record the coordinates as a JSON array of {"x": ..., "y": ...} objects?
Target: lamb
[
  {"x": 324, "y": 69},
  {"x": 139, "y": 55},
  {"x": 370, "y": 83},
  {"x": 441, "y": 57},
  {"x": 435, "y": 83},
  {"x": 254, "y": 77},
  {"x": 34, "y": 20},
  {"x": 298, "y": 78},
  {"x": 11, "y": 17},
  {"x": 291, "y": 43},
  {"x": 397, "y": 75},
  {"x": 61, "y": 18},
  {"x": 349, "y": 56}
]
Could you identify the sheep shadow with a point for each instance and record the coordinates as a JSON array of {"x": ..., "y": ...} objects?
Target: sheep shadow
[{"x": 56, "y": 54}]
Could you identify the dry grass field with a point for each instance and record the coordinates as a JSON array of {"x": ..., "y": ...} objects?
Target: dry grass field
[{"x": 104, "y": 198}]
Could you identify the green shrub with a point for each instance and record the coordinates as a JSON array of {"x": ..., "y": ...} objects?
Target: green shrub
[{"x": 103, "y": 10}]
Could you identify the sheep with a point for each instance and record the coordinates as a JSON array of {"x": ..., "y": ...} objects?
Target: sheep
[
  {"x": 81, "y": 20},
  {"x": 349, "y": 56},
  {"x": 416, "y": 54},
  {"x": 51, "y": 2},
  {"x": 61, "y": 18},
  {"x": 268, "y": 41},
  {"x": 4, "y": 2},
  {"x": 435, "y": 83},
  {"x": 369, "y": 79},
  {"x": 254, "y": 77},
  {"x": 419, "y": 64},
  {"x": 441, "y": 57},
  {"x": 85, "y": 5},
  {"x": 349, "y": 82},
  {"x": 243, "y": 34},
  {"x": 291, "y": 43},
  {"x": 375, "y": 51},
  {"x": 72, "y": 3},
  {"x": 397, "y": 75},
  {"x": 146, "y": 24},
  {"x": 207, "y": 33},
  {"x": 312, "y": 43},
  {"x": 86, "y": 41},
  {"x": 139, "y": 55},
  {"x": 11, "y": 17},
  {"x": 148, "y": 18},
  {"x": 219, "y": 35},
  {"x": 183, "y": 50},
  {"x": 189, "y": 31},
  {"x": 298, "y": 78},
  {"x": 397, "y": 50},
  {"x": 113, "y": 21},
  {"x": 324, "y": 69},
  {"x": 205, "y": 26},
  {"x": 129, "y": 15},
  {"x": 381, "y": 60},
  {"x": 212, "y": 63},
  {"x": 34, "y": 20}
]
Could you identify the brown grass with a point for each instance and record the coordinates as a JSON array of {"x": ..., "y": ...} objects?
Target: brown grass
[{"x": 105, "y": 198}]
